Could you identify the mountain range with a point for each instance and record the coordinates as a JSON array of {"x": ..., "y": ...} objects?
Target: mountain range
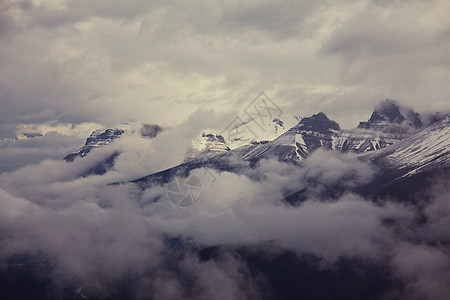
[
  {"x": 397, "y": 141},
  {"x": 403, "y": 148}
]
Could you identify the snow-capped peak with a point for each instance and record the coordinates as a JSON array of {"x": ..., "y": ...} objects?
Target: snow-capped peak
[
  {"x": 208, "y": 140},
  {"x": 103, "y": 137}
]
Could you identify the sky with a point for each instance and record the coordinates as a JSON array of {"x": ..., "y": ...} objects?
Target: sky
[{"x": 72, "y": 66}]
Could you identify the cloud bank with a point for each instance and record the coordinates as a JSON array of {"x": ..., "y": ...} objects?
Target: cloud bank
[{"x": 96, "y": 235}]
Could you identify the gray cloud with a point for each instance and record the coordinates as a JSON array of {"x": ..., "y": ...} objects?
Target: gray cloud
[
  {"x": 279, "y": 20},
  {"x": 396, "y": 48},
  {"x": 6, "y": 21},
  {"x": 98, "y": 233},
  {"x": 19, "y": 153},
  {"x": 106, "y": 61}
]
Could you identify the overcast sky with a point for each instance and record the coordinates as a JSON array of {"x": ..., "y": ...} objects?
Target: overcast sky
[{"x": 70, "y": 66}]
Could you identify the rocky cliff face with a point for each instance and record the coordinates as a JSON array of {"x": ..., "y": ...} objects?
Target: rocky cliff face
[
  {"x": 388, "y": 124},
  {"x": 389, "y": 117},
  {"x": 315, "y": 132},
  {"x": 98, "y": 138},
  {"x": 209, "y": 141}
]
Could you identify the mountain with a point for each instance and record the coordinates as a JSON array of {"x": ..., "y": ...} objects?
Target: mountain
[
  {"x": 97, "y": 139},
  {"x": 150, "y": 131},
  {"x": 295, "y": 144},
  {"x": 106, "y": 137},
  {"x": 240, "y": 132},
  {"x": 388, "y": 124},
  {"x": 428, "y": 149},
  {"x": 391, "y": 127},
  {"x": 103, "y": 137},
  {"x": 405, "y": 170},
  {"x": 388, "y": 116},
  {"x": 386, "y": 127},
  {"x": 209, "y": 140},
  {"x": 408, "y": 167},
  {"x": 392, "y": 141},
  {"x": 237, "y": 134}
]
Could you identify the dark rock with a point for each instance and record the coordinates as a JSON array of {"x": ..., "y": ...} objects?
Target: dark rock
[
  {"x": 318, "y": 123},
  {"x": 95, "y": 140},
  {"x": 150, "y": 130},
  {"x": 387, "y": 111}
]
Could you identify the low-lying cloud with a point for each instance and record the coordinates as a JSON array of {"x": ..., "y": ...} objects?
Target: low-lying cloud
[{"x": 96, "y": 234}]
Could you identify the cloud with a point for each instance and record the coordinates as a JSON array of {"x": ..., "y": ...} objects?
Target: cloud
[
  {"x": 235, "y": 209},
  {"x": 427, "y": 270},
  {"x": 96, "y": 234},
  {"x": 19, "y": 153},
  {"x": 396, "y": 48},
  {"x": 107, "y": 62}
]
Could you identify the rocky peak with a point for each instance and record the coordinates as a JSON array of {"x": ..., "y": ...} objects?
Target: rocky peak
[
  {"x": 211, "y": 137},
  {"x": 150, "y": 130},
  {"x": 414, "y": 119},
  {"x": 208, "y": 141},
  {"x": 318, "y": 123},
  {"x": 97, "y": 139},
  {"x": 387, "y": 111},
  {"x": 388, "y": 116}
]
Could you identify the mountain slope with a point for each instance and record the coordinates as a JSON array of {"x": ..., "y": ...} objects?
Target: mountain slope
[
  {"x": 403, "y": 168},
  {"x": 97, "y": 139},
  {"x": 428, "y": 149}
]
